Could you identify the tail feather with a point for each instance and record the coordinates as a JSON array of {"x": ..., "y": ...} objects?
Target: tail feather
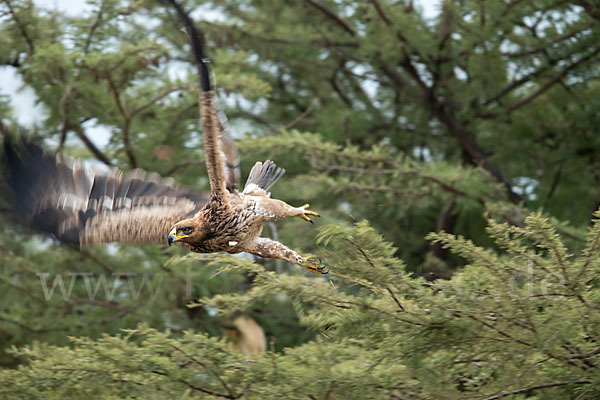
[{"x": 264, "y": 175}]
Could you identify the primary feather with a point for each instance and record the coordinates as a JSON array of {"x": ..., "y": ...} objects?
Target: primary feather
[
  {"x": 83, "y": 207},
  {"x": 80, "y": 206}
]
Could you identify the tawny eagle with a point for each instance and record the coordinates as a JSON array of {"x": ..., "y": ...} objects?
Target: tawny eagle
[{"x": 86, "y": 208}]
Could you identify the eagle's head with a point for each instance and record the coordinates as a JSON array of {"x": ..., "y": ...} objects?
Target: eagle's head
[{"x": 188, "y": 231}]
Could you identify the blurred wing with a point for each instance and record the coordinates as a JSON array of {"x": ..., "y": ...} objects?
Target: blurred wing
[
  {"x": 218, "y": 147},
  {"x": 82, "y": 207},
  {"x": 213, "y": 155},
  {"x": 230, "y": 155}
]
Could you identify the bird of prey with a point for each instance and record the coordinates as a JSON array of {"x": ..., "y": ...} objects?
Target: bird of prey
[
  {"x": 81, "y": 207},
  {"x": 232, "y": 221}
]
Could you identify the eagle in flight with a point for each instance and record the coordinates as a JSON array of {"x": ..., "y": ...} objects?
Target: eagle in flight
[{"x": 85, "y": 208}]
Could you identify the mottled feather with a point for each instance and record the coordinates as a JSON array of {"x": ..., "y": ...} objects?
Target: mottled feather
[
  {"x": 230, "y": 155},
  {"x": 232, "y": 221},
  {"x": 262, "y": 177},
  {"x": 84, "y": 207},
  {"x": 80, "y": 206},
  {"x": 212, "y": 147}
]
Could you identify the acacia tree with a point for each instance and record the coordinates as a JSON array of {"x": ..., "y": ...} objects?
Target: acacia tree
[
  {"x": 508, "y": 87},
  {"x": 461, "y": 125}
]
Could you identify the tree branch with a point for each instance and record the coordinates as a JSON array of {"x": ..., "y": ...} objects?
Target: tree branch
[
  {"x": 126, "y": 121},
  {"x": 64, "y": 106},
  {"x": 370, "y": 262},
  {"x": 155, "y": 99},
  {"x": 455, "y": 128},
  {"x": 546, "y": 45},
  {"x": 181, "y": 165},
  {"x": 284, "y": 41},
  {"x": 93, "y": 28},
  {"x": 78, "y": 129},
  {"x": 296, "y": 120},
  {"x": 536, "y": 387},
  {"x": 194, "y": 387},
  {"x": 515, "y": 84},
  {"x": 379, "y": 10},
  {"x": 339, "y": 91},
  {"x": 206, "y": 367},
  {"x": 542, "y": 89},
  {"x": 593, "y": 11},
  {"x": 332, "y": 15},
  {"x": 21, "y": 27}
]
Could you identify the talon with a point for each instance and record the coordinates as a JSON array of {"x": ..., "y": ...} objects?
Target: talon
[
  {"x": 304, "y": 217},
  {"x": 307, "y": 212},
  {"x": 315, "y": 267}
]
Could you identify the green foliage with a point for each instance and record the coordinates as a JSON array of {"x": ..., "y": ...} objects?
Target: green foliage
[{"x": 509, "y": 322}]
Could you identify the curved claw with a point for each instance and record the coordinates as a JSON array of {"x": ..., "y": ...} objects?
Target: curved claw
[
  {"x": 314, "y": 265},
  {"x": 307, "y": 212}
]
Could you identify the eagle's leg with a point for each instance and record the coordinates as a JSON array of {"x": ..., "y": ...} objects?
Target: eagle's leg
[
  {"x": 306, "y": 212},
  {"x": 268, "y": 248},
  {"x": 274, "y": 209}
]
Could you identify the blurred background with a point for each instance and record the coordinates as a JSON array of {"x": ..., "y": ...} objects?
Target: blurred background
[{"x": 418, "y": 116}]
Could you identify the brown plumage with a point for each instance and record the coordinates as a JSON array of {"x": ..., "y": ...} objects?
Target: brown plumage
[
  {"x": 215, "y": 165},
  {"x": 82, "y": 207},
  {"x": 246, "y": 336},
  {"x": 232, "y": 221}
]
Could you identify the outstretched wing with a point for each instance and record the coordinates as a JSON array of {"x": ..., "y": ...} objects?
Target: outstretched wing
[
  {"x": 214, "y": 155},
  {"x": 82, "y": 207},
  {"x": 230, "y": 154}
]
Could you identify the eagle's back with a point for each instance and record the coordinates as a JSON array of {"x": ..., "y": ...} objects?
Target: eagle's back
[{"x": 231, "y": 226}]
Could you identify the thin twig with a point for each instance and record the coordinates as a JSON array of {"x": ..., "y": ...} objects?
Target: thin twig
[
  {"x": 64, "y": 106},
  {"x": 536, "y": 387},
  {"x": 126, "y": 121},
  {"x": 295, "y": 120},
  {"x": 194, "y": 387},
  {"x": 332, "y": 15},
  {"x": 155, "y": 99},
  {"x": 78, "y": 129},
  {"x": 379, "y": 10},
  {"x": 93, "y": 28},
  {"x": 30, "y": 329},
  {"x": 368, "y": 259},
  {"x": 21, "y": 27},
  {"x": 542, "y": 89},
  {"x": 181, "y": 165},
  {"x": 206, "y": 367}
]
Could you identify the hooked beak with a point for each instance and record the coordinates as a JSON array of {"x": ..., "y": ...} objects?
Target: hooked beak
[{"x": 172, "y": 236}]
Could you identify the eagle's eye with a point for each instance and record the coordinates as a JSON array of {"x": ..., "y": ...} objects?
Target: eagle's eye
[{"x": 186, "y": 230}]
